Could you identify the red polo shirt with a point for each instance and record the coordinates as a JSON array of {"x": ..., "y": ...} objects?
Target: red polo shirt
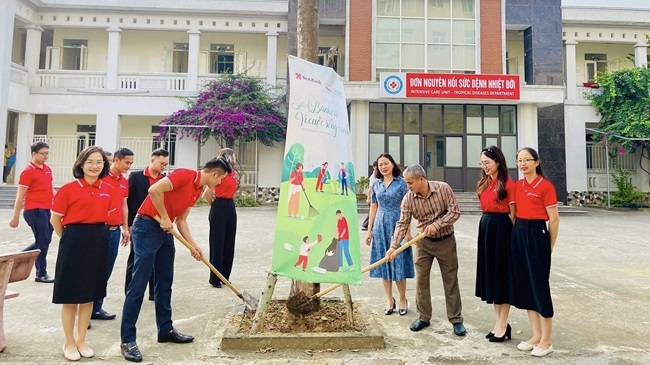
[
  {"x": 532, "y": 199},
  {"x": 342, "y": 224},
  {"x": 80, "y": 202},
  {"x": 488, "y": 198},
  {"x": 120, "y": 191},
  {"x": 152, "y": 180},
  {"x": 38, "y": 181},
  {"x": 227, "y": 188},
  {"x": 185, "y": 191}
]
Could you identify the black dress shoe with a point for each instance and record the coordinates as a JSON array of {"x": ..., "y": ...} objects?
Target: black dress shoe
[
  {"x": 507, "y": 334},
  {"x": 459, "y": 329},
  {"x": 44, "y": 279},
  {"x": 390, "y": 311},
  {"x": 418, "y": 325},
  {"x": 130, "y": 351},
  {"x": 102, "y": 314},
  {"x": 174, "y": 336}
]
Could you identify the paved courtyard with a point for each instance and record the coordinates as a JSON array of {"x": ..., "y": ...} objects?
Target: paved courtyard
[{"x": 600, "y": 282}]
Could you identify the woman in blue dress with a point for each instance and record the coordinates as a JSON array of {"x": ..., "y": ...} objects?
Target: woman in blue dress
[{"x": 386, "y": 198}]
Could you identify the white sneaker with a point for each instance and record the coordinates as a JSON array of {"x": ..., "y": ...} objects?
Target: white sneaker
[
  {"x": 525, "y": 346},
  {"x": 539, "y": 352}
]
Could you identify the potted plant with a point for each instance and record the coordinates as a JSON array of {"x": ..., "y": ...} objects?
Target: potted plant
[{"x": 362, "y": 187}]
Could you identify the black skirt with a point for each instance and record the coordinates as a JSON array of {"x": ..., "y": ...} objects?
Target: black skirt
[
  {"x": 493, "y": 258},
  {"x": 531, "y": 267},
  {"x": 81, "y": 264}
]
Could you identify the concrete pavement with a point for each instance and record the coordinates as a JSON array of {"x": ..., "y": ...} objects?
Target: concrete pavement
[{"x": 600, "y": 282}]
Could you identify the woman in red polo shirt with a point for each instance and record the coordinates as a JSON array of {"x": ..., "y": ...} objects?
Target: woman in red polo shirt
[
  {"x": 531, "y": 247},
  {"x": 223, "y": 220},
  {"x": 496, "y": 192},
  {"x": 79, "y": 215}
]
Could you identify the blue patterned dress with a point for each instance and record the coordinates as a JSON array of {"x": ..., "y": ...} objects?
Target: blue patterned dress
[{"x": 389, "y": 200}]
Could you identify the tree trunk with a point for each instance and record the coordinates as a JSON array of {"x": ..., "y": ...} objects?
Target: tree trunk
[{"x": 307, "y": 34}]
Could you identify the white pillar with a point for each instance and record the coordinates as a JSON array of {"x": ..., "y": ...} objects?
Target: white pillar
[
  {"x": 7, "y": 15},
  {"x": 527, "y": 127},
  {"x": 107, "y": 132},
  {"x": 24, "y": 137},
  {"x": 192, "y": 83},
  {"x": 32, "y": 51},
  {"x": 641, "y": 54},
  {"x": 360, "y": 129},
  {"x": 113, "y": 57},
  {"x": 271, "y": 57},
  {"x": 571, "y": 77},
  {"x": 576, "y": 150}
]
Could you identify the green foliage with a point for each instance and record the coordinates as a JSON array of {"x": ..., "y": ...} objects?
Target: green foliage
[
  {"x": 296, "y": 154},
  {"x": 623, "y": 104},
  {"x": 246, "y": 201},
  {"x": 626, "y": 196},
  {"x": 362, "y": 183}
]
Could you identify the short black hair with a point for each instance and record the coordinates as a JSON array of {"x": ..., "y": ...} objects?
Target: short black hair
[
  {"x": 218, "y": 163},
  {"x": 160, "y": 152},
  {"x": 77, "y": 168},
  {"x": 38, "y": 146},
  {"x": 304, "y": 239},
  {"x": 338, "y": 211},
  {"x": 122, "y": 152}
]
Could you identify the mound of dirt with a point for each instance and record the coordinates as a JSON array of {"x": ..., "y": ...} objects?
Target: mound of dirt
[{"x": 332, "y": 317}]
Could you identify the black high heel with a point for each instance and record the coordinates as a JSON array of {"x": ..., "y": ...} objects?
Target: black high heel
[
  {"x": 489, "y": 335},
  {"x": 402, "y": 312},
  {"x": 503, "y": 338},
  {"x": 388, "y": 312}
]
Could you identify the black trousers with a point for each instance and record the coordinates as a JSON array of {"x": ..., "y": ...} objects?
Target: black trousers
[
  {"x": 223, "y": 228},
  {"x": 129, "y": 271}
]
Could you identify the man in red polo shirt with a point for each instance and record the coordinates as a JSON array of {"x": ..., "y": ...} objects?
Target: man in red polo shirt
[
  {"x": 122, "y": 161},
  {"x": 171, "y": 199},
  {"x": 35, "y": 188}
]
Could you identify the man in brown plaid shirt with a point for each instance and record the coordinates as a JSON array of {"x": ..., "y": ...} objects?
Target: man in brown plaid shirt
[{"x": 434, "y": 206}]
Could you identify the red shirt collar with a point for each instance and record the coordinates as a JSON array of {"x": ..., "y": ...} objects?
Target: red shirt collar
[
  {"x": 84, "y": 184},
  {"x": 533, "y": 183}
]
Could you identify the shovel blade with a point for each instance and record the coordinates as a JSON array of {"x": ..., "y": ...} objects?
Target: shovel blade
[{"x": 250, "y": 301}]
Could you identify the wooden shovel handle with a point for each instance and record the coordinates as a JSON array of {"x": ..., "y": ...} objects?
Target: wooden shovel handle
[
  {"x": 182, "y": 239},
  {"x": 376, "y": 264}
]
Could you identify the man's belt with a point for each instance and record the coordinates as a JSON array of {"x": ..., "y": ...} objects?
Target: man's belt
[{"x": 436, "y": 239}]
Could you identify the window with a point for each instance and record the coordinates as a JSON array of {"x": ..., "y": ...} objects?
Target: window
[
  {"x": 440, "y": 41},
  {"x": 595, "y": 63},
  {"x": 222, "y": 58},
  {"x": 85, "y": 136},
  {"x": 180, "y": 55},
  {"x": 168, "y": 143},
  {"x": 325, "y": 53}
]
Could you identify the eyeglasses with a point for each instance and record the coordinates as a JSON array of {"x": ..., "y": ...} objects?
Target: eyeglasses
[
  {"x": 43, "y": 153},
  {"x": 525, "y": 161},
  {"x": 163, "y": 164},
  {"x": 485, "y": 163},
  {"x": 94, "y": 163}
]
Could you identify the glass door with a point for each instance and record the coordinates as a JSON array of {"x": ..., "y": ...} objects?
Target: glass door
[{"x": 434, "y": 157}]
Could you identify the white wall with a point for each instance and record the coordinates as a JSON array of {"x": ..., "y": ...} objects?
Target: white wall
[
  {"x": 66, "y": 124},
  {"x": 616, "y": 57},
  {"x": 97, "y": 44},
  {"x": 575, "y": 119},
  {"x": 270, "y": 162},
  {"x": 138, "y": 126}
]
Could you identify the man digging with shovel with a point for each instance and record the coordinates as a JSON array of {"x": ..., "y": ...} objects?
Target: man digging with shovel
[{"x": 170, "y": 199}]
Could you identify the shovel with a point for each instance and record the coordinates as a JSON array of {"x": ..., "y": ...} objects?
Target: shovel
[
  {"x": 250, "y": 301},
  {"x": 301, "y": 305}
]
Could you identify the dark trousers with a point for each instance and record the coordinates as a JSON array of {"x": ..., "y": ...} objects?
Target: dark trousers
[
  {"x": 223, "y": 228},
  {"x": 154, "y": 249},
  {"x": 445, "y": 251},
  {"x": 129, "y": 271},
  {"x": 6, "y": 171},
  {"x": 39, "y": 221},
  {"x": 114, "y": 237}
]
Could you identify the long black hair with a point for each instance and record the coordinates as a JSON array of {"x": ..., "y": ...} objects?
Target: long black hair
[
  {"x": 495, "y": 154},
  {"x": 538, "y": 168},
  {"x": 396, "y": 171}
]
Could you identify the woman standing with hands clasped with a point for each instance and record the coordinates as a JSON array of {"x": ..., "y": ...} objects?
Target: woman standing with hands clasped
[
  {"x": 79, "y": 215},
  {"x": 223, "y": 220},
  {"x": 386, "y": 196},
  {"x": 496, "y": 191},
  {"x": 531, "y": 248}
]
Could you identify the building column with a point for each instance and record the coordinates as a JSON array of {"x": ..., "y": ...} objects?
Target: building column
[
  {"x": 641, "y": 54},
  {"x": 271, "y": 57},
  {"x": 107, "y": 131},
  {"x": 113, "y": 57},
  {"x": 192, "y": 82},
  {"x": 571, "y": 77},
  {"x": 359, "y": 131},
  {"x": 32, "y": 51},
  {"x": 527, "y": 127},
  {"x": 576, "y": 150},
  {"x": 7, "y": 15},
  {"x": 24, "y": 138}
]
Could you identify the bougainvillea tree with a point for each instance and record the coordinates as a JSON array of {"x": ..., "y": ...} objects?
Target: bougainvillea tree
[{"x": 232, "y": 108}]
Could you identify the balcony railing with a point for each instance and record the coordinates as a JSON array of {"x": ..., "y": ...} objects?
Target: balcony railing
[
  {"x": 583, "y": 92},
  {"x": 597, "y": 166},
  {"x": 18, "y": 74},
  {"x": 70, "y": 79},
  {"x": 151, "y": 81}
]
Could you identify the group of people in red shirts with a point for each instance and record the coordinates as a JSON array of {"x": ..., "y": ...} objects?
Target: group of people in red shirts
[{"x": 98, "y": 211}]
